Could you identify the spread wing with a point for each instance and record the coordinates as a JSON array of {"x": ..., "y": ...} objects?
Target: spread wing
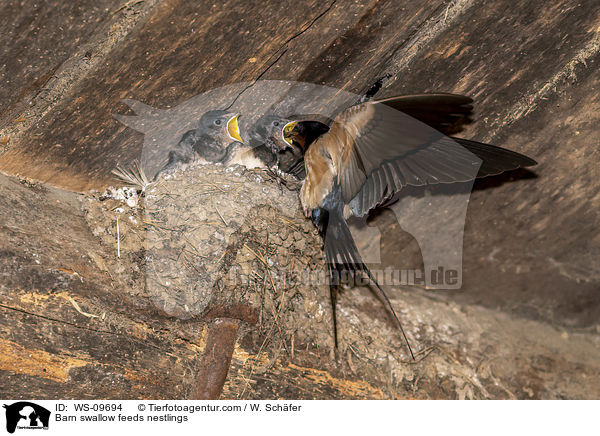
[
  {"x": 386, "y": 150},
  {"x": 444, "y": 112}
]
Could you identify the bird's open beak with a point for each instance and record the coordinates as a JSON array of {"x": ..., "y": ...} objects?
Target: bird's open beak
[
  {"x": 287, "y": 132},
  {"x": 233, "y": 130}
]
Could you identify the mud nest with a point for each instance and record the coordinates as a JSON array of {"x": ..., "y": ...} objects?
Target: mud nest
[{"x": 205, "y": 237}]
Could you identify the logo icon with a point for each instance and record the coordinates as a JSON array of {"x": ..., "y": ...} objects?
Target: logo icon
[{"x": 26, "y": 415}]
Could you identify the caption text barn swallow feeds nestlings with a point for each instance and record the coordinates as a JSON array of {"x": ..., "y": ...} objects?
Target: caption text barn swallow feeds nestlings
[{"x": 354, "y": 163}]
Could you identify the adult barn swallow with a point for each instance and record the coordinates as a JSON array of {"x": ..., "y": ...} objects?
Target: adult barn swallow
[{"x": 369, "y": 153}]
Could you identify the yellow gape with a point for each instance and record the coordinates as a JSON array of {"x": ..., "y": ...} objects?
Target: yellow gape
[{"x": 287, "y": 132}]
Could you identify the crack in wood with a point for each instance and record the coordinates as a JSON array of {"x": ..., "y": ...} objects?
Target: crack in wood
[
  {"x": 432, "y": 27},
  {"x": 70, "y": 324},
  {"x": 67, "y": 76},
  {"x": 282, "y": 47}
]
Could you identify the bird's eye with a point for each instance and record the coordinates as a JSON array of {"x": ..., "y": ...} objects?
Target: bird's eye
[
  {"x": 276, "y": 123},
  {"x": 218, "y": 122}
]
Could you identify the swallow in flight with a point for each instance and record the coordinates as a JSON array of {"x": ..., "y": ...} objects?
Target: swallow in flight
[{"x": 367, "y": 154}]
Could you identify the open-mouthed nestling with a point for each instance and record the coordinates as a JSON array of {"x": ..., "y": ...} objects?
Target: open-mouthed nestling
[{"x": 216, "y": 134}]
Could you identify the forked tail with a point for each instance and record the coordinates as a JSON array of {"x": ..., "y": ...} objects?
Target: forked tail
[{"x": 344, "y": 260}]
